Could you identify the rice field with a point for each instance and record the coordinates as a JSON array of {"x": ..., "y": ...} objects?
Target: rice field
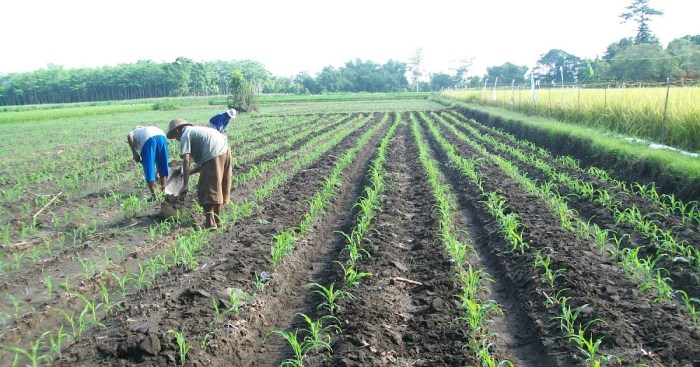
[{"x": 635, "y": 112}]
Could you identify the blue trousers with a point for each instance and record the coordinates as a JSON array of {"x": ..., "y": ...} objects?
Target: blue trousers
[{"x": 155, "y": 153}]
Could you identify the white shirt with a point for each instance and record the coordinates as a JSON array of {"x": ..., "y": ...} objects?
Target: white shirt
[
  {"x": 202, "y": 143},
  {"x": 142, "y": 134}
]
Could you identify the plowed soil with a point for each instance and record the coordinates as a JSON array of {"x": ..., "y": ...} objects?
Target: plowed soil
[{"x": 406, "y": 313}]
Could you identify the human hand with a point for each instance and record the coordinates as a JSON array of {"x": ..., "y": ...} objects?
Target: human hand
[{"x": 137, "y": 158}]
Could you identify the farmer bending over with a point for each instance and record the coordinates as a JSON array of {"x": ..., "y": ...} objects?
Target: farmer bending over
[
  {"x": 150, "y": 142},
  {"x": 220, "y": 121},
  {"x": 210, "y": 151}
]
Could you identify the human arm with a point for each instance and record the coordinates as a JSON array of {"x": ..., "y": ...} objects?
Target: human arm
[
  {"x": 132, "y": 145},
  {"x": 185, "y": 174},
  {"x": 196, "y": 170}
]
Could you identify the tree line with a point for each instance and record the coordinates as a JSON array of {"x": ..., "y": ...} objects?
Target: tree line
[
  {"x": 636, "y": 59},
  {"x": 641, "y": 58},
  {"x": 185, "y": 77},
  {"x": 624, "y": 62}
]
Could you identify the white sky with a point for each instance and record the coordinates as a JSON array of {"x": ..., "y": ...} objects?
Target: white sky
[{"x": 289, "y": 37}]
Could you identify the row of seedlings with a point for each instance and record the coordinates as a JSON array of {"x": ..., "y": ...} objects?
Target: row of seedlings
[
  {"x": 477, "y": 310},
  {"x": 222, "y": 312},
  {"x": 644, "y": 270},
  {"x": 632, "y": 215},
  {"x": 513, "y": 230},
  {"x": 184, "y": 253},
  {"x": 316, "y": 337}
]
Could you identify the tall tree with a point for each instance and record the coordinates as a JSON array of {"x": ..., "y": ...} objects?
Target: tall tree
[
  {"x": 254, "y": 72},
  {"x": 414, "y": 66},
  {"x": 179, "y": 76},
  {"x": 243, "y": 96},
  {"x": 640, "y": 12},
  {"x": 461, "y": 71},
  {"x": 331, "y": 80},
  {"x": 686, "y": 58},
  {"x": 442, "y": 81},
  {"x": 507, "y": 73},
  {"x": 555, "y": 63},
  {"x": 643, "y": 62},
  {"x": 614, "y": 48},
  {"x": 395, "y": 76}
]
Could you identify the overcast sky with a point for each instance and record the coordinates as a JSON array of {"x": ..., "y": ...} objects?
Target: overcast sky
[{"x": 289, "y": 37}]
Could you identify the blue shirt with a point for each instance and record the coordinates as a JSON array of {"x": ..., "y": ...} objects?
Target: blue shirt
[{"x": 220, "y": 121}]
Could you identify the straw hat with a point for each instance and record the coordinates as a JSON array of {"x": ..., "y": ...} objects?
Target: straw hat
[
  {"x": 231, "y": 113},
  {"x": 174, "y": 124}
]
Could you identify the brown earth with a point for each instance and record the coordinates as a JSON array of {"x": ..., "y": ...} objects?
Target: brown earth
[{"x": 405, "y": 314}]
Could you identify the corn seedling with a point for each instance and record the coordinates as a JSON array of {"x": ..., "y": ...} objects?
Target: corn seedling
[
  {"x": 690, "y": 303},
  {"x": 601, "y": 238},
  {"x": 199, "y": 209},
  {"x": 352, "y": 247},
  {"x": 37, "y": 253},
  {"x": 77, "y": 327},
  {"x": 218, "y": 315},
  {"x": 330, "y": 296},
  {"x": 487, "y": 360},
  {"x": 590, "y": 348},
  {"x": 48, "y": 282},
  {"x": 182, "y": 344},
  {"x": 104, "y": 294},
  {"x": 154, "y": 267},
  {"x": 352, "y": 277},
  {"x": 122, "y": 281},
  {"x": 48, "y": 246},
  {"x": 56, "y": 344},
  {"x": 153, "y": 231},
  {"x": 121, "y": 251},
  {"x": 258, "y": 283},
  {"x": 141, "y": 280},
  {"x": 15, "y": 305},
  {"x": 133, "y": 205},
  {"x": 476, "y": 315},
  {"x": 205, "y": 341},
  {"x": 471, "y": 280},
  {"x": 317, "y": 337},
  {"x": 88, "y": 267},
  {"x": 297, "y": 347},
  {"x": 283, "y": 244},
  {"x": 549, "y": 275},
  {"x": 90, "y": 307},
  {"x": 569, "y": 317},
  {"x": 32, "y": 354},
  {"x": 5, "y": 234},
  {"x": 234, "y": 301},
  {"x": 17, "y": 259},
  {"x": 616, "y": 245}
]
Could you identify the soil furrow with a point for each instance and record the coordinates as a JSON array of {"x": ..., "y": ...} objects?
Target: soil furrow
[
  {"x": 184, "y": 300},
  {"x": 590, "y": 279},
  {"x": 516, "y": 336},
  {"x": 392, "y": 320}
]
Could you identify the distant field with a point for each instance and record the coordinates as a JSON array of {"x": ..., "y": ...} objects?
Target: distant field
[{"x": 57, "y": 111}]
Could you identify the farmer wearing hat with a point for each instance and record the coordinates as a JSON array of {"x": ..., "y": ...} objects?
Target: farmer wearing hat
[
  {"x": 210, "y": 151},
  {"x": 150, "y": 148},
  {"x": 221, "y": 120}
]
